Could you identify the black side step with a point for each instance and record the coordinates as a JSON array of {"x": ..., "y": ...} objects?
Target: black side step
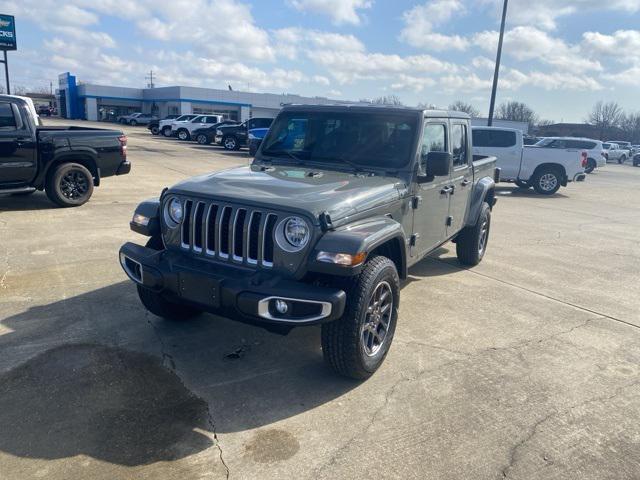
[{"x": 17, "y": 190}]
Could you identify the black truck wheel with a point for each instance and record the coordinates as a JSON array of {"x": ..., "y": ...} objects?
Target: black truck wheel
[
  {"x": 156, "y": 303},
  {"x": 356, "y": 345},
  {"x": 69, "y": 185},
  {"x": 230, "y": 143},
  {"x": 471, "y": 242},
  {"x": 547, "y": 180}
]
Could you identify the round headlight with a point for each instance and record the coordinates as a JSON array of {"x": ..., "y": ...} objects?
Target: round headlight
[
  {"x": 296, "y": 232},
  {"x": 174, "y": 210}
]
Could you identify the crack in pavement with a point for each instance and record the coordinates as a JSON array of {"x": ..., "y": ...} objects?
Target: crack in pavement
[
  {"x": 533, "y": 430},
  {"x": 166, "y": 356}
]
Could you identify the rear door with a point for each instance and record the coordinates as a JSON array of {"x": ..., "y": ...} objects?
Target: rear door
[
  {"x": 461, "y": 175},
  {"x": 432, "y": 202},
  {"x": 18, "y": 148},
  {"x": 504, "y": 145}
]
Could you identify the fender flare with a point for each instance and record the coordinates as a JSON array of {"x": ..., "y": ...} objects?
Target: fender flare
[
  {"x": 364, "y": 236},
  {"x": 483, "y": 191},
  {"x": 150, "y": 209},
  {"x": 86, "y": 157}
]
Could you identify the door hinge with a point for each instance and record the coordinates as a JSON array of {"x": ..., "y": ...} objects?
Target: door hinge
[
  {"x": 413, "y": 241},
  {"x": 416, "y": 202},
  {"x": 449, "y": 221}
]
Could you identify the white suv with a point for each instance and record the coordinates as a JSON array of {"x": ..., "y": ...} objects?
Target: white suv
[
  {"x": 615, "y": 153},
  {"x": 595, "y": 151},
  {"x": 183, "y": 130}
]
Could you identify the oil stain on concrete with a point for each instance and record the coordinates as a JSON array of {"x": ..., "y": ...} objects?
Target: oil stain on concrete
[
  {"x": 272, "y": 445},
  {"x": 111, "y": 404}
]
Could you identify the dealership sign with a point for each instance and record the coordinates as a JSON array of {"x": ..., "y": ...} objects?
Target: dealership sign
[{"x": 8, "y": 33}]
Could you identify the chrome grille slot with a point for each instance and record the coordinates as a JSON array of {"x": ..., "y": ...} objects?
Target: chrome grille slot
[
  {"x": 228, "y": 233},
  {"x": 186, "y": 225},
  {"x": 238, "y": 234},
  {"x": 224, "y": 232},
  {"x": 253, "y": 242},
  {"x": 198, "y": 216},
  {"x": 267, "y": 240},
  {"x": 210, "y": 230}
]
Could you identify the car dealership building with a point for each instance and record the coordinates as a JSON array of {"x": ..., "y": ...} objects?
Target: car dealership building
[{"x": 79, "y": 100}]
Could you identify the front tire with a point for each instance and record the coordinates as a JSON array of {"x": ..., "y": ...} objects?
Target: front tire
[
  {"x": 166, "y": 131},
  {"x": 202, "y": 139},
  {"x": 69, "y": 185},
  {"x": 155, "y": 131},
  {"x": 156, "y": 303},
  {"x": 471, "y": 243},
  {"x": 591, "y": 166},
  {"x": 547, "y": 181},
  {"x": 230, "y": 143},
  {"x": 622, "y": 159},
  {"x": 183, "y": 135},
  {"x": 356, "y": 345}
]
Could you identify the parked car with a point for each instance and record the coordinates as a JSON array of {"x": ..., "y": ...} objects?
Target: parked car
[
  {"x": 614, "y": 153},
  {"x": 154, "y": 125},
  {"x": 320, "y": 228},
  {"x": 233, "y": 137},
  {"x": 165, "y": 125},
  {"x": 206, "y": 135},
  {"x": 65, "y": 162},
  {"x": 255, "y": 139},
  {"x": 544, "y": 169},
  {"x": 529, "y": 140},
  {"x": 595, "y": 152},
  {"x": 45, "y": 110},
  {"x": 136, "y": 119},
  {"x": 183, "y": 129},
  {"x": 636, "y": 159}
]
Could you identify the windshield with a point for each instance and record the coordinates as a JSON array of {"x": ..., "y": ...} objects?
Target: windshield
[{"x": 362, "y": 140}]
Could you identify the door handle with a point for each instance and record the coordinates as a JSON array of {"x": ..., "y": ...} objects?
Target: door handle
[
  {"x": 448, "y": 190},
  {"x": 465, "y": 182}
]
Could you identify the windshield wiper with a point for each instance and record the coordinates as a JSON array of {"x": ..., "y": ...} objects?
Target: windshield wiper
[{"x": 356, "y": 166}]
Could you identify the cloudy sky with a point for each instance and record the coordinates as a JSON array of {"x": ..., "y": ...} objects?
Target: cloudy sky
[{"x": 560, "y": 56}]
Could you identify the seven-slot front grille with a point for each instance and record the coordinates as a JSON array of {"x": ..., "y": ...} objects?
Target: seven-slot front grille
[{"x": 229, "y": 233}]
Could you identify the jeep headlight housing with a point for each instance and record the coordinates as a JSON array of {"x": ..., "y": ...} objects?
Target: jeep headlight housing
[
  {"x": 293, "y": 234},
  {"x": 174, "y": 212}
]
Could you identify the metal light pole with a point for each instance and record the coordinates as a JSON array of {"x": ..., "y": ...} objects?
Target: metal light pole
[{"x": 492, "y": 105}]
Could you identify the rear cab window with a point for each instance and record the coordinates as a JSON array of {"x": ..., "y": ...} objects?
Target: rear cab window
[{"x": 494, "y": 138}]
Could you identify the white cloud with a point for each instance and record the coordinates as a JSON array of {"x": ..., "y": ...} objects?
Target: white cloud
[
  {"x": 628, "y": 77},
  {"x": 527, "y": 43},
  {"x": 483, "y": 63},
  {"x": 623, "y": 44},
  {"x": 420, "y": 20},
  {"x": 321, "y": 80},
  {"x": 340, "y": 11}
]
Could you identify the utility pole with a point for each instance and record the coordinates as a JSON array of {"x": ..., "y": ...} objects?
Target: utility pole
[
  {"x": 50, "y": 87},
  {"x": 492, "y": 105},
  {"x": 150, "y": 78},
  {"x": 6, "y": 71}
]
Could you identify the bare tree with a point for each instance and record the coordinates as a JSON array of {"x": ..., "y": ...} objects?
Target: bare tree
[
  {"x": 388, "y": 100},
  {"x": 517, "y": 112},
  {"x": 630, "y": 125},
  {"x": 605, "y": 117},
  {"x": 460, "y": 106}
]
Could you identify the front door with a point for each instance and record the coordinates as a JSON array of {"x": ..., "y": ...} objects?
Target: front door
[
  {"x": 432, "y": 198},
  {"x": 18, "y": 148},
  {"x": 461, "y": 176}
]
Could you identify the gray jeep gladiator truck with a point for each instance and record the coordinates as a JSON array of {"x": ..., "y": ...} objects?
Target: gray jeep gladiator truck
[{"x": 320, "y": 229}]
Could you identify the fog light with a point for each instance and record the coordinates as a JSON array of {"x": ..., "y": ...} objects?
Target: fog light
[{"x": 281, "y": 307}]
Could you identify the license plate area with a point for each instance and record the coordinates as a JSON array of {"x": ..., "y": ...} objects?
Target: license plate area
[{"x": 199, "y": 289}]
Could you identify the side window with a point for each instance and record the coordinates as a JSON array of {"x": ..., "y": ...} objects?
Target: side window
[
  {"x": 434, "y": 138},
  {"x": 7, "y": 119},
  {"x": 212, "y": 120},
  {"x": 493, "y": 138},
  {"x": 459, "y": 145}
]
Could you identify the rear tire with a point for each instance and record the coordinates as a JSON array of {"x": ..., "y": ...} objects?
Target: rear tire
[
  {"x": 157, "y": 304},
  {"x": 356, "y": 345},
  {"x": 183, "y": 135},
  {"x": 166, "y": 131},
  {"x": 155, "y": 131},
  {"x": 69, "y": 185},
  {"x": 471, "y": 242},
  {"x": 230, "y": 143},
  {"x": 622, "y": 159},
  {"x": 202, "y": 139},
  {"x": 591, "y": 166},
  {"x": 547, "y": 180}
]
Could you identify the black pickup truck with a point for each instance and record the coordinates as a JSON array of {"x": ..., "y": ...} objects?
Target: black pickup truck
[
  {"x": 338, "y": 203},
  {"x": 66, "y": 162}
]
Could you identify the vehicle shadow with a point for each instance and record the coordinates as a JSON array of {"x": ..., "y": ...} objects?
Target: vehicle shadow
[
  {"x": 513, "y": 191},
  {"x": 18, "y": 203},
  {"x": 104, "y": 378}
]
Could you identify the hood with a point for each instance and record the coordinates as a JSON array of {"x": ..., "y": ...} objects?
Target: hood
[{"x": 294, "y": 188}]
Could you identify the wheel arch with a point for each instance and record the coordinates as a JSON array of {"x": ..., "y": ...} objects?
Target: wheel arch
[
  {"x": 483, "y": 191},
  {"x": 83, "y": 158},
  {"x": 551, "y": 165}
]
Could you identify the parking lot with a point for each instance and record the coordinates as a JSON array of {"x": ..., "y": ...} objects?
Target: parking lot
[{"x": 526, "y": 366}]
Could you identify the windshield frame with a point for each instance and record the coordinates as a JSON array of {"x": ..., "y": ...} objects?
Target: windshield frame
[{"x": 290, "y": 156}]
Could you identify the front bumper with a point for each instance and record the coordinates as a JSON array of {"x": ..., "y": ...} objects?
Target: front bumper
[{"x": 236, "y": 293}]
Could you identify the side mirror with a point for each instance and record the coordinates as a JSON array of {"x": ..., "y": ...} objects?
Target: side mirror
[{"x": 436, "y": 164}]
